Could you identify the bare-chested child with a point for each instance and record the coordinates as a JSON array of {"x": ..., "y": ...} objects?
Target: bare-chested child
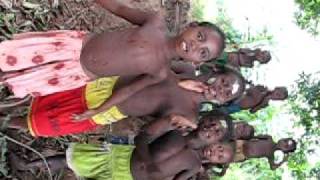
[
  {"x": 256, "y": 98},
  {"x": 244, "y": 57},
  {"x": 264, "y": 146},
  {"x": 241, "y": 129},
  {"x": 169, "y": 156},
  {"x": 52, "y": 115},
  {"x": 57, "y": 61}
]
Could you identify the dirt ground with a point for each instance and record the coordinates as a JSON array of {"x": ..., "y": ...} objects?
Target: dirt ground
[{"x": 18, "y": 16}]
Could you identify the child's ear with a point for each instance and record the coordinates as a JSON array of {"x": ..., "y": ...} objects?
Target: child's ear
[{"x": 193, "y": 24}]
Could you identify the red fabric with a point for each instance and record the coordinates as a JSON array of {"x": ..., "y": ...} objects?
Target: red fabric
[{"x": 52, "y": 115}]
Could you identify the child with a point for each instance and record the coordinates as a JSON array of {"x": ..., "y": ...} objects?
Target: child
[
  {"x": 263, "y": 146},
  {"x": 244, "y": 57},
  {"x": 241, "y": 129},
  {"x": 168, "y": 156},
  {"x": 42, "y": 63},
  {"x": 256, "y": 98},
  {"x": 52, "y": 115},
  {"x": 210, "y": 123}
]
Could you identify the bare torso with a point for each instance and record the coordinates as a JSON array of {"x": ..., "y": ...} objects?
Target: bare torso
[
  {"x": 238, "y": 60},
  {"x": 258, "y": 148},
  {"x": 253, "y": 97},
  {"x": 162, "y": 99},
  {"x": 133, "y": 52},
  {"x": 170, "y": 155}
]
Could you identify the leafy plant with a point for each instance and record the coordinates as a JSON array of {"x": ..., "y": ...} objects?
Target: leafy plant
[
  {"x": 305, "y": 104},
  {"x": 308, "y": 15}
]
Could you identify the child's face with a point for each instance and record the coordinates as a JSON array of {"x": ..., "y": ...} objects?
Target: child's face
[
  {"x": 279, "y": 94},
  {"x": 211, "y": 130},
  {"x": 198, "y": 44},
  {"x": 219, "y": 153},
  {"x": 286, "y": 145},
  {"x": 224, "y": 88},
  {"x": 263, "y": 56},
  {"x": 243, "y": 130}
]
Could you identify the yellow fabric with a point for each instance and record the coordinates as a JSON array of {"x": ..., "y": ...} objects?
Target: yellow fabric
[
  {"x": 29, "y": 120},
  {"x": 96, "y": 93},
  {"x": 239, "y": 151},
  {"x": 30, "y": 125}
]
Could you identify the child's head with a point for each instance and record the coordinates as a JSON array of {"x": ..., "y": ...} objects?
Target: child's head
[
  {"x": 243, "y": 130},
  {"x": 287, "y": 145},
  {"x": 279, "y": 93},
  {"x": 219, "y": 153},
  {"x": 200, "y": 42},
  {"x": 214, "y": 128},
  {"x": 225, "y": 86},
  {"x": 263, "y": 57}
]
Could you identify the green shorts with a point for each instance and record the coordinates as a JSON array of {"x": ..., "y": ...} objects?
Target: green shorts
[{"x": 109, "y": 162}]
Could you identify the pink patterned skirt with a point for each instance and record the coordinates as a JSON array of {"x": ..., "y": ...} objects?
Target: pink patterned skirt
[{"x": 42, "y": 63}]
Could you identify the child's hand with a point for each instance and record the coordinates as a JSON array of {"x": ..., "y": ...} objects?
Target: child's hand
[
  {"x": 84, "y": 116},
  {"x": 193, "y": 85},
  {"x": 181, "y": 123}
]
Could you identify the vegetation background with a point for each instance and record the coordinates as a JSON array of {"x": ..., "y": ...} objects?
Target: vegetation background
[{"x": 299, "y": 115}]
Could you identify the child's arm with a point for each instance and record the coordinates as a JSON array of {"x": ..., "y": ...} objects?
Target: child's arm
[
  {"x": 187, "y": 174},
  {"x": 193, "y": 85},
  {"x": 159, "y": 127},
  {"x": 134, "y": 16},
  {"x": 263, "y": 137},
  {"x": 120, "y": 95},
  {"x": 261, "y": 105}
]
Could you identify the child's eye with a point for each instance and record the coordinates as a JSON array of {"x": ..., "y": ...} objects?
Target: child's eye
[
  {"x": 203, "y": 54},
  {"x": 200, "y": 36}
]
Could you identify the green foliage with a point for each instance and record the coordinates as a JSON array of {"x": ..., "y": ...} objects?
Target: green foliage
[
  {"x": 308, "y": 15},
  {"x": 234, "y": 37},
  {"x": 197, "y": 10},
  {"x": 251, "y": 170},
  {"x": 305, "y": 104}
]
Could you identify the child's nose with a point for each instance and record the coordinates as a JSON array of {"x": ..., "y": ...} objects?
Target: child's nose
[{"x": 194, "y": 45}]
